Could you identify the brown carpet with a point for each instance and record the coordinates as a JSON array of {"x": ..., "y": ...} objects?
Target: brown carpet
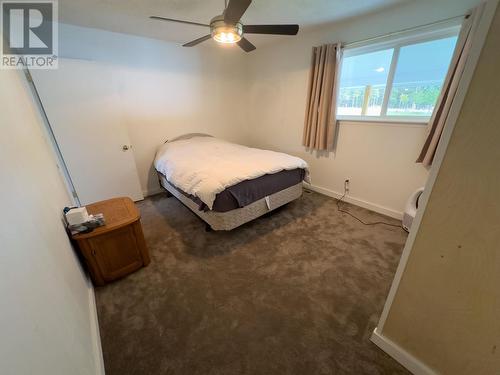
[{"x": 298, "y": 292}]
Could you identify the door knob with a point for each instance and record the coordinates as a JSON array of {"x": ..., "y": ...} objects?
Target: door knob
[{"x": 126, "y": 147}]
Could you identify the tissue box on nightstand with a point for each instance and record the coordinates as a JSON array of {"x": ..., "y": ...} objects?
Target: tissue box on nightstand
[{"x": 77, "y": 216}]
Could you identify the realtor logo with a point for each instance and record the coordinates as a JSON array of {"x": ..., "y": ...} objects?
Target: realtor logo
[{"x": 29, "y": 32}]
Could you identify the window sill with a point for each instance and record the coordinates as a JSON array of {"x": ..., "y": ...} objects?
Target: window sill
[{"x": 385, "y": 120}]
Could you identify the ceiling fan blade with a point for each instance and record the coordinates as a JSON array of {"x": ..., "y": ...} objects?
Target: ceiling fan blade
[
  {"x": 235, "y": 10},
  {"x": 246, "y": 45},
  {"x": 197, "y": 41},
  {"x": 179, "y": 21},
  {"x": 271, "y": 29}
]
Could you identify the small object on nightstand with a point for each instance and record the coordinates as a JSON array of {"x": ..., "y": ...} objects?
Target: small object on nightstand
[
  {"x": 86, "y": 224},
  {"x": 118, "y": 248},
  {"x": 77, "y": 215}
]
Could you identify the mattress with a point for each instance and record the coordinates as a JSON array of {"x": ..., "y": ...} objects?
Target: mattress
[
  {"x": 249, "y": 191},
  {"x": 227, "y": 184},
  {"x": 206, "y": 166}
]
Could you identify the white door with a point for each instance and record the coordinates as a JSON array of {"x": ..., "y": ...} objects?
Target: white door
[{"x": 82, "y": 102}]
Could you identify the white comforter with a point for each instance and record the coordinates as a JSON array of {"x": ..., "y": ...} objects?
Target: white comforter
[{"x": 205, "y": 166}]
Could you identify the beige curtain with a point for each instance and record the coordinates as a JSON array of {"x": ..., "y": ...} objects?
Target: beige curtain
[
  {"x": 320, "y": 119},
  {"x": 450, "y": 86}
]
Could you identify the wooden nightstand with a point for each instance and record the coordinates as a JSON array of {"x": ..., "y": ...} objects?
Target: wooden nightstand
[{"x": 118, "y": 248}]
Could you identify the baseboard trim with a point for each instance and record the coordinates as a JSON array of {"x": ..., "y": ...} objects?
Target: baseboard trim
[
  {"x": 358, "y": 202},
  {"x": 412, "y": 364},
  {"x": 148, "y": 193},
  {"x": 96, "y": 336}
]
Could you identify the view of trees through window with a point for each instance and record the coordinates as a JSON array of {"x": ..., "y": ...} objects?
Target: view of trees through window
[
  {"x": 414, "y": 98},
  {"x": 419, "y": 73}
]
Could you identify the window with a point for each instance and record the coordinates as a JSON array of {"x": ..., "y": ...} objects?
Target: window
[{"x": 395, "y": 80}]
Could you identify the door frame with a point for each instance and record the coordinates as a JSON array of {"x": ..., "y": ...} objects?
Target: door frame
[{"x": 49, "y": 134}]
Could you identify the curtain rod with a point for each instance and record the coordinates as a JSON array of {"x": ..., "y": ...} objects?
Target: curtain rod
[{"x": 446, "y": 20}]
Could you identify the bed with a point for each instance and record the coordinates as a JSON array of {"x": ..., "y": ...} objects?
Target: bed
[{"x": 227, "y": 184}]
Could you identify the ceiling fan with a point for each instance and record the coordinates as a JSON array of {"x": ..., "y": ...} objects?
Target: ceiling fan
[{"x": 227, "y": 27}]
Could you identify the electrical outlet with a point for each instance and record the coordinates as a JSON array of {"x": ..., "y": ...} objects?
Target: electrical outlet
[{"x": 346, "y": 185}]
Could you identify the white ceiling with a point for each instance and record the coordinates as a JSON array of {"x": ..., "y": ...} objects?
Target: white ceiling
[{"x": 131, "y": 16}]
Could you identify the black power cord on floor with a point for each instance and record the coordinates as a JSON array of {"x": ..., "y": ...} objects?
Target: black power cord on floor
[{"x": 341, "y": 200}]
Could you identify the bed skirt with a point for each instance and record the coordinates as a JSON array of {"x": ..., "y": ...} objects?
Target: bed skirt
[{"x": 239, "y": 216}]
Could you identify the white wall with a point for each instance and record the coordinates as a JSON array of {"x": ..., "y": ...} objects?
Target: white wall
[
  {"x": 379, "y": 159},
  {"x": 165, "y": 89},
  {"x": 47, "y": 313}
]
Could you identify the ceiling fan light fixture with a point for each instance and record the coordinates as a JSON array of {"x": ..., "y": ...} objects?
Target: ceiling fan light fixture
[
  {"x": 227, "y": 28},
  {"x": 225, "y": 33},
  {"x": 227, "y": 37}
]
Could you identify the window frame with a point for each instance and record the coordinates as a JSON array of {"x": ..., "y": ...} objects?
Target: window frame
[{"x": 395, "y": 43}]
